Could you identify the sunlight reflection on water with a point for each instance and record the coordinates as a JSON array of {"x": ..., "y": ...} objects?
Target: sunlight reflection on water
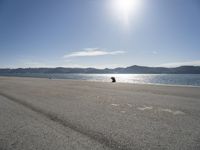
[{"x": 172, "y": 79}]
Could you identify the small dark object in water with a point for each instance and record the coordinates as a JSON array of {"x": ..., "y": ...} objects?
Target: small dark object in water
[{"x": 113, "y": 79}]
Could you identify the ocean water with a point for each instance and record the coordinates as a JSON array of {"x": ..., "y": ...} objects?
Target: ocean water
[{"x": 168, "y": 79}]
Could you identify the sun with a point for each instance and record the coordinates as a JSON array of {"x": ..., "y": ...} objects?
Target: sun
[{"x": 125, "y": 9}]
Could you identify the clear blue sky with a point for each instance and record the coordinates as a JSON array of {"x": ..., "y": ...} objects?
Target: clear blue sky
[{"x": 98, "y": 33}]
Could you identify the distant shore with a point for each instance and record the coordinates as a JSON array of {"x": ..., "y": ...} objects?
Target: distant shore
[{"x": 130, "y": 69}]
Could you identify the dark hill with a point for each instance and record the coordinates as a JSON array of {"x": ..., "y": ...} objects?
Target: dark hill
[{"x": 131, "y": 69}]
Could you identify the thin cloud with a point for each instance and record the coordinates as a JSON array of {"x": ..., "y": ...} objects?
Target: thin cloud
[
  {"x": 154, "y": 52},
  {"x": 90, "y": 52},
  {"x": 177, "y": 64}
]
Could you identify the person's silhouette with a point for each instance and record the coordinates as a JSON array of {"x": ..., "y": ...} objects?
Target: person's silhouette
[{"x": 113, "y": 79}]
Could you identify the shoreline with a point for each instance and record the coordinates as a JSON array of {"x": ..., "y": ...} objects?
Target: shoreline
[{"x": 153, "y": 84}]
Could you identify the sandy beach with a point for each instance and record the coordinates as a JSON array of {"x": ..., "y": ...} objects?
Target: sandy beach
[{"x": 65, "y": 114}]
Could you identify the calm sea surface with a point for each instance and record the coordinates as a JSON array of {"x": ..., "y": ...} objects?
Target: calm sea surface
[{"x": 172, "y": 79}]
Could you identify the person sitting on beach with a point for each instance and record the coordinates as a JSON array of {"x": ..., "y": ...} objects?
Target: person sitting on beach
[{"x": 113, "y": 79}]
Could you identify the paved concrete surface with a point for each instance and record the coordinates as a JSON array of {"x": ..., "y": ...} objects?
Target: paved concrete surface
[{"x": 66, "y": 114}]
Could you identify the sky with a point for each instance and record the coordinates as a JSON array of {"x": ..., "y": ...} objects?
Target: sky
[{"x": 99, "y": 33}]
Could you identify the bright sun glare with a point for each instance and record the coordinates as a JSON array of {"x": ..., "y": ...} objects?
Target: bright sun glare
[{"x": 125, "y": 9}]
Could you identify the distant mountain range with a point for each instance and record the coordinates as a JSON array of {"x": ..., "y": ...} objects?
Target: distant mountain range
[{"x": 131, "y": 69}]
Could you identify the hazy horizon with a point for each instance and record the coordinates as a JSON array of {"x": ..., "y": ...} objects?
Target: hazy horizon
[{"x": 102, "y": 68}]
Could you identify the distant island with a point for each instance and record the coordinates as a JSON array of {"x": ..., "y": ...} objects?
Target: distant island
[{"x": 132, "y": 70}]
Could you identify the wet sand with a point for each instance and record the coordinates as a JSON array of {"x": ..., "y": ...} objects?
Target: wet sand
[{"x": 66, "y": 114}]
